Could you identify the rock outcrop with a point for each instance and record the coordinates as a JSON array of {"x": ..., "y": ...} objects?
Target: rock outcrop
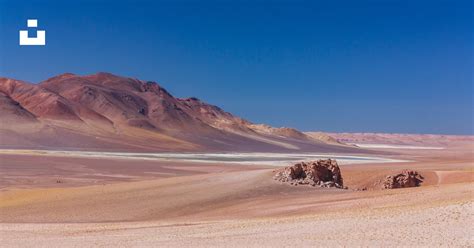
[
  {"x": 407, "y": 178},
  {"x": 323, "y": 173}
]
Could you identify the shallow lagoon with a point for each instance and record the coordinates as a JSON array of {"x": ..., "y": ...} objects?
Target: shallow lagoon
[{"x": 276, "y": 159}]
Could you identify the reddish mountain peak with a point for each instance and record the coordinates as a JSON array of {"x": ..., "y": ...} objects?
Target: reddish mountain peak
[
  {"x": 5, "y": 81},
  {"x": 38, "y": 100},
  {"x": 56, "y": 80},
  {"x": 103, "y": 76},
  {"x": 62, "y": 76},
  {"x": 150, "y": 86},
  {"x": 124, "y": 107},
  {"x": 109, "y": 79},
  {"x": 204, "y": 108},
  {"x": 101, "y": 79},
  {"x": 213, "y": 115},
  {"x": 104, "y": 80}
]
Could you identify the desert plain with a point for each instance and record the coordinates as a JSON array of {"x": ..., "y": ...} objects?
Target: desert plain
[{"x": 51, "y": 200}]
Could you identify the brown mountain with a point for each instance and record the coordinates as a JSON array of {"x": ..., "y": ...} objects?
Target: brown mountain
[{"x": 109, "y": 112}]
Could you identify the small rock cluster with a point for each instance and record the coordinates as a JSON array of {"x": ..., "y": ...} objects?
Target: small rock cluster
[
  {"x": 322, "y": 173},
  {"x": 407, "y": 178}
]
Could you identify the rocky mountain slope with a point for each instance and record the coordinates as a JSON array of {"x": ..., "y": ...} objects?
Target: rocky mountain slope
[{"x": 108, "y": 112}]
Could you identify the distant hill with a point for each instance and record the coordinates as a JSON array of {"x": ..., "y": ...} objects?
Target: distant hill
[{"x": 108, "y": 112}]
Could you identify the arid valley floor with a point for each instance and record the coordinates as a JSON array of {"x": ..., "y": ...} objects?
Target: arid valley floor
[{"x": 49, "y": 200}]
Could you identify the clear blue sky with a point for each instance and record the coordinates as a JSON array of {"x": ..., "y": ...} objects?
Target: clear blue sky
[{"x": 369, "y": 66}]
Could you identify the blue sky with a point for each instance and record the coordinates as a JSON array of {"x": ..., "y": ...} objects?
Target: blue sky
[{"x": 352, "y": 66}]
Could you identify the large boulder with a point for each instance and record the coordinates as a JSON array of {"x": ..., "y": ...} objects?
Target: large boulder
[
  {"x": 407, "y": 178},
  {"x": 323, "y": 173}
]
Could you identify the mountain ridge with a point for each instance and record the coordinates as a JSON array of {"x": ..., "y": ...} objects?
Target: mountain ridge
[{"x": 111, "y": 112}]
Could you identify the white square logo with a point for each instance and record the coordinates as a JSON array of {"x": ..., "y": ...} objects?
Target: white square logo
[{"x": 39, "y": 40}]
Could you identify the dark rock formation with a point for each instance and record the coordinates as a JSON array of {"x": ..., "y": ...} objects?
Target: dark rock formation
[
  {"x": 407, "y": 178},
  {"x": 323, "y": 173}
]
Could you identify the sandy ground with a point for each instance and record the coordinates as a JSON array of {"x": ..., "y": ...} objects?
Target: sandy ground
[
  {"x": 107, "y": 202},
  {"x": 436, "y": 226},
  {"x": 31, "y": 171}
]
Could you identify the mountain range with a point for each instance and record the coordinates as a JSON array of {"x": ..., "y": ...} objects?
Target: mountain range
[{"x": 114, "y": 113}]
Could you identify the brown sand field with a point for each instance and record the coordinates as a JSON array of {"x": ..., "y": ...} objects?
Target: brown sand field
[{"x": 48, "y": 201}]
